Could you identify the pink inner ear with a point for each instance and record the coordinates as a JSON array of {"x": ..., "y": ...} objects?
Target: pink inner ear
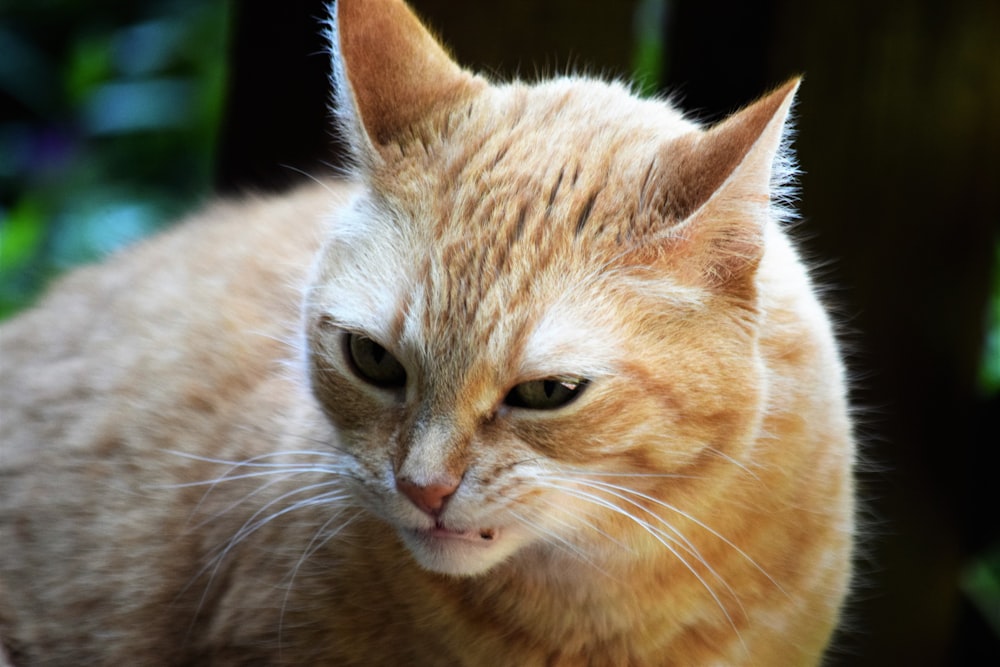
[
  {"x": 697, "y": 165},
  {"x": 715, "y": 186},
  {"x": 398, "y": 73}
]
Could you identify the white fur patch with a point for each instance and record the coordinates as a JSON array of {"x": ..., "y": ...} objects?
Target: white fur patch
[
  {"x": 573, "y": 340},
  {"x": 363, "y": 273}
]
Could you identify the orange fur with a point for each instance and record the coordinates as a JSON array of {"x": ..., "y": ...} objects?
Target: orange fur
[{"x": 196, "y": 471}]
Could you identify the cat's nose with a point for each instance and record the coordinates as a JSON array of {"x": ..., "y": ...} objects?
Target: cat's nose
[{"x": 430, "y": 498}]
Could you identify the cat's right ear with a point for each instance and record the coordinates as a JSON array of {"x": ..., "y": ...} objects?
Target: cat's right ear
[
  {"x": 724, "y": 185},
  {"x": 390, "y": 75}
]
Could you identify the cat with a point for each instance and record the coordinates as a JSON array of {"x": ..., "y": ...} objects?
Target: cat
[{"x": 542, "y": 382}]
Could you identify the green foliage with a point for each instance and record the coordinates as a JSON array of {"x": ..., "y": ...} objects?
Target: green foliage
[
  {"x": 981, "y": 582},
  {"x": 989, "y": 371},
  {"x": 108, "y": 121},
  {"x": 648, "y": 54}
]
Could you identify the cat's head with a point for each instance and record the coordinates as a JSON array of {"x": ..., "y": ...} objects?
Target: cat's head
[{"x": 540, "y": 315}]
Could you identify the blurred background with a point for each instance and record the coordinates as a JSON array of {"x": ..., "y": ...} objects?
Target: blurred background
[{"x": 116, "y": 117}]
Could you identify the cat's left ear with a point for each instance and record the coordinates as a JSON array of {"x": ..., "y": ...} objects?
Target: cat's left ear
[
  {"x": 389, "y": 74},
  {"x": 722, "y": 184}
]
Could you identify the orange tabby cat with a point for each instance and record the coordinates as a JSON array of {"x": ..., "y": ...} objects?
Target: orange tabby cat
[{"x": 546, "y": 384}]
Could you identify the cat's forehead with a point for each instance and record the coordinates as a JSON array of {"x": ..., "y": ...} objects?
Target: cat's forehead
[
  {"x": 563, "y": 160},
  {"x": 528, "y": 194},
  {"x": 586, "y": 109},
  {"x": 509, "y": 324},
  {"x": 494, "y": 235},
  {"x": 556, "y": 139}
]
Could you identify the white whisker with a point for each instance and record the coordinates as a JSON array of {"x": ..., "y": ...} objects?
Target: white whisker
[
  {"x": 272, "y": 469},
  {"x": 721, "y": 454},
  {"x": 662, "y": 538},
  {"x": 282, "y": 470},
  {"x": 250, "y": 526},
  {"x": 314, "y": 545},
  {"x": 248, "y": 475},
  {"x": 588, "y": 524},
  {"x": 604, "y": 473},
  {"x": 680, "y": 540},
  {"x": 236, "y": 503},
  {"x": 560, "y": 542},
  {"x": 255, "y": 461},
  {"x": 695, "y": 521}
]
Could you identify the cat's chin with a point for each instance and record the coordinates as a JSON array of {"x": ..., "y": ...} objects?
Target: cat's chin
[{"x": 457, "y": 553}]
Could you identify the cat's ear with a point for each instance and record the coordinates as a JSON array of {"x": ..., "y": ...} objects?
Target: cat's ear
[
  {"x": 389, "y": 73},
  {"x": 722, "y": 184}
]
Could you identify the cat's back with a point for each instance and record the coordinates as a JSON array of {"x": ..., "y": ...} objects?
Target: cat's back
[
  {"x": 175, "y": 348},
  {"x": 184, "y": 320},
  {"x": 168, "y": 337}
]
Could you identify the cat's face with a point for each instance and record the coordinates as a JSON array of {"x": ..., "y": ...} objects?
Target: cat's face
[
  {"x": 534, "y": 329},
  {"x": 467, "y": 332}
]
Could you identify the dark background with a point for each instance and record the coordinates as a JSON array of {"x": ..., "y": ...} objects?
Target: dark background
[{"x": 899, "y": 141}]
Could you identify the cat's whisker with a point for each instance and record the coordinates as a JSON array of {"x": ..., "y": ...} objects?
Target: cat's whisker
[
  {"x": 604, "y": 488},
  {"x": 679, "y": 540},
  {"x": 240, "y": 501},
  {"x": 315, "y": 179},
  {"x": 560, "y": 542},
  {"x": 667, "y": 542},
  {"x": 678, "y": 537},
  {"x": 284, "y": 469},
  {"x": 317, "y": 544},
  {"x": 284, "y": 340},
  {"x": 721, "y": 454},
  {"x": 215, "y": 481},
  {"x": 584, "y": 522},
  {"x": 605, "y": 473},
  {"x": 253, "y": 524},
  {"x": 256, "y": 461},
  {"x": 320, "y": 538},
  {"x": 692, "y": 519}
]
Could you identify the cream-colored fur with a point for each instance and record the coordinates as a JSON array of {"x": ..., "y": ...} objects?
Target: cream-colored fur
[{"x": 199, "y": 467}]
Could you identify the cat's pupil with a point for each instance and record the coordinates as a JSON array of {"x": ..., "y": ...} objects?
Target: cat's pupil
[{"x": 373, "y": 363}]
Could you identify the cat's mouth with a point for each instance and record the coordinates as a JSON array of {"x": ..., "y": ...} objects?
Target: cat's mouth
[
  {"x": 439, "y": 531},
  {"x": 455, "y": 550}
]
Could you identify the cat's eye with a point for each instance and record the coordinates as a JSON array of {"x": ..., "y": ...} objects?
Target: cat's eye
[
  {"x": 545, "y": 394},
  {"x": 373, "y": 363}
]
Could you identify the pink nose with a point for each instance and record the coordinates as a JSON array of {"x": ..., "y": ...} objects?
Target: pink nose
[{"x": 430, "y": 497}]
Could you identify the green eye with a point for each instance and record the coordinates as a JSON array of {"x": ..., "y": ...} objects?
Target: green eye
[
  {"x": 546, "y": 394},
  {"x": 373, "y": 363}
]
